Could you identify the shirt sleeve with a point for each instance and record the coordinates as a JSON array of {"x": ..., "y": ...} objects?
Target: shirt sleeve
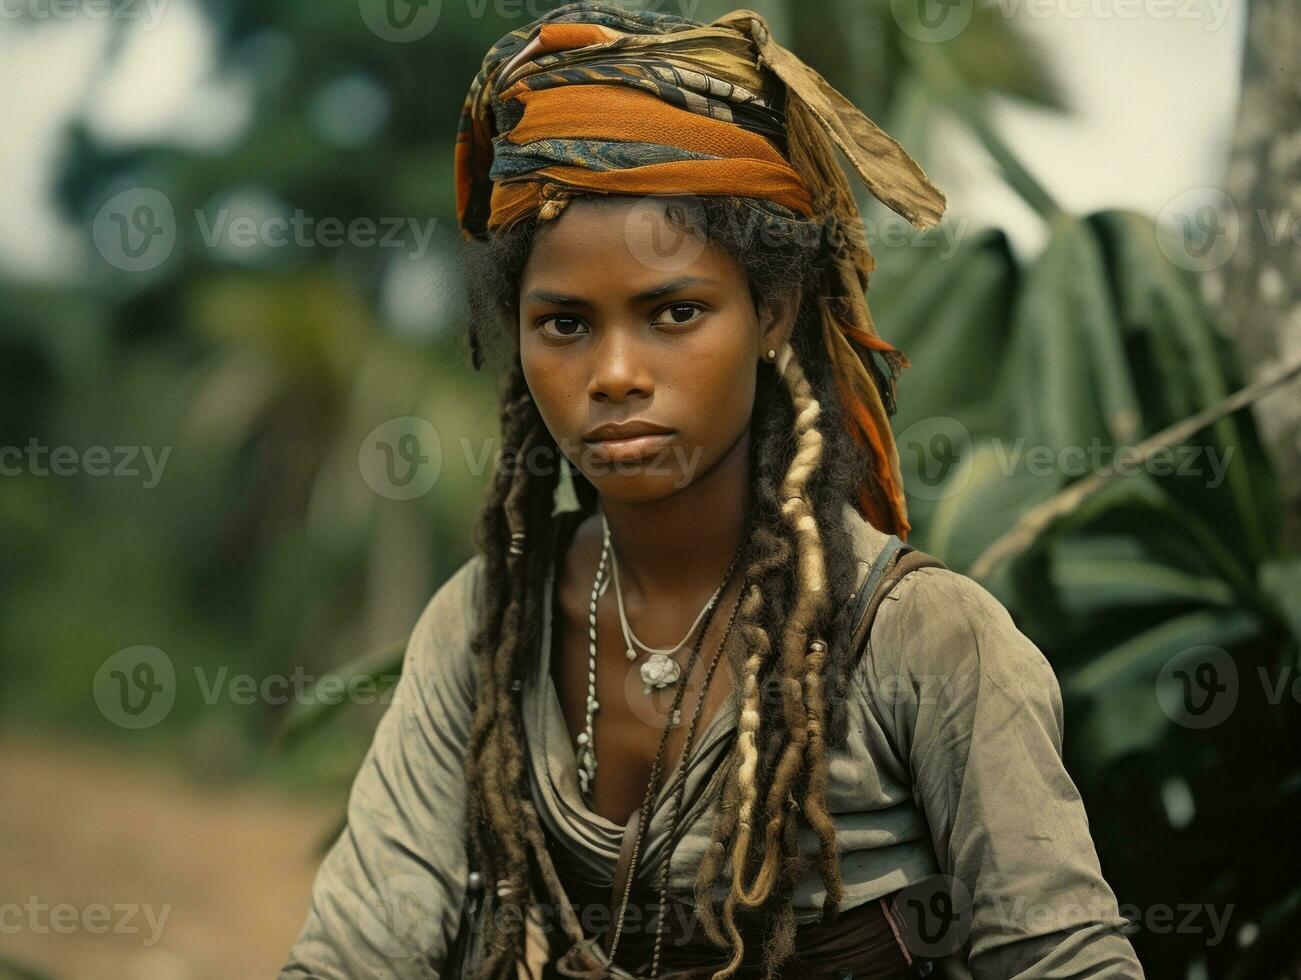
[
  {"x": 976, "y": 713},
  {"x": 387, "y": 898}
]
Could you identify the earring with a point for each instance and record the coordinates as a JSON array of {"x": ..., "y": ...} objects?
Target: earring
[{"x": 779, "y": 360}]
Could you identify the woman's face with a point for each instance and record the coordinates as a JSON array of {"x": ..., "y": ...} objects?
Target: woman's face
[{"x": 626, "y": 321}]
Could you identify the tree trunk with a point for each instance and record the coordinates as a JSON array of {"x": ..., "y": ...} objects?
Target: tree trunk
[{"x": 1259, "y": 288}]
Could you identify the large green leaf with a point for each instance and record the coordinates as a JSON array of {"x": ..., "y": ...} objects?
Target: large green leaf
[
  {"x": 1068, "y": 371},
  {"x": 957, "y": 317},
  {"x": 1165, "y": 532},
  {"x": 1141, "y": 658},
  {"x": 994, "y": 54},
  {"x": 1091, "y": 584},
  {"x": 978, "y": 502},
  {"x": 1183, "y": 364}
]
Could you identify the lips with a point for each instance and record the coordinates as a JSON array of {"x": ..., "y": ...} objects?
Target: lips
[
  {"x": 630, "y": 440},
  {"x": 629, "y": 429},
  {"x": 624, "y": 450}
]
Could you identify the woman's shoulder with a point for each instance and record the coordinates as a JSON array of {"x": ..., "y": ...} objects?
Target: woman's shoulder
[
  {"x": 439, "y": 647},
  {"x": 939, "y": 626},
  {"x": 454, "y": 603}
]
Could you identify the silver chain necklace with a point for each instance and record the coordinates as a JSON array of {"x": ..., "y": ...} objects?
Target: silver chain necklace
[{"x": 658, "y": 671}]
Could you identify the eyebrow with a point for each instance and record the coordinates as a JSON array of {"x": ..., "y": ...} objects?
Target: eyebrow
[{"x": 655, "y": 292}]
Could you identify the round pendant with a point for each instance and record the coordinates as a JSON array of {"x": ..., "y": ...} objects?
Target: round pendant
[{"x": 659, "y": 671}]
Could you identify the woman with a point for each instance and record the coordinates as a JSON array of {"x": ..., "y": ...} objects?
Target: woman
[{"x": 650, "y": 712}]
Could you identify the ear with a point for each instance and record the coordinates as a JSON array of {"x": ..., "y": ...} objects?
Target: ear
[{"x": 777, "y": 319}]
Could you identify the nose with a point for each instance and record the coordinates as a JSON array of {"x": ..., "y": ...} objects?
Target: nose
[{"x": 620, "y": 367}]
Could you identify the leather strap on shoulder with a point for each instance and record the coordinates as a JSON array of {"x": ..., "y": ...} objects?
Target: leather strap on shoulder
[
  {"x": 892, "y": 547},
  {"x": 895, "y": 560}
]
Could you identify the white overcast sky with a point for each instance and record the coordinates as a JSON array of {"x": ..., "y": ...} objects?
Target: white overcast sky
[{"x": 1153, "y": 85}]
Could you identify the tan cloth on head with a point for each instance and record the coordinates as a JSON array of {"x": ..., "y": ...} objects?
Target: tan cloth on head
[
  {"x": 952, "y": 764},
  {"x": 594, "y": 97}
]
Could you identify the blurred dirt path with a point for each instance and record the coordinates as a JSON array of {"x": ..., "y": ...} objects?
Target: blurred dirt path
[{"x": 87, "y": 840}]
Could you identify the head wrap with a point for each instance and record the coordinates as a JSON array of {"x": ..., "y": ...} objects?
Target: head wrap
[{"x": 593, "y": 98}]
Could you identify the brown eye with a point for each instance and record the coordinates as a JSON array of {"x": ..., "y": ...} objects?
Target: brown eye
[
  {"x": 565, "y": 326},
  {"x": 679, "y": 314}
]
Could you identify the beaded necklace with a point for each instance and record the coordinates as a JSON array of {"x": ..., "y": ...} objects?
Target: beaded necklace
[{"x": 648, "y": 800}]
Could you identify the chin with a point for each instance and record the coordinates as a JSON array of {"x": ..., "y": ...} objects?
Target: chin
[{"x": 640, "y": 488}]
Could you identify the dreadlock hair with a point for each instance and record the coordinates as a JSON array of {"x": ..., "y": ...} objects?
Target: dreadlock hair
[{"x": 789, "y": 646}]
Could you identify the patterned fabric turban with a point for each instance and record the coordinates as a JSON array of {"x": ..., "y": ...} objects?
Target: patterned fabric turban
[{"x": 595, "y": 99}]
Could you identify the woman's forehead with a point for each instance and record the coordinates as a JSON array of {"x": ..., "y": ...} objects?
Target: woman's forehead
[{"x": 635, "y": 243}]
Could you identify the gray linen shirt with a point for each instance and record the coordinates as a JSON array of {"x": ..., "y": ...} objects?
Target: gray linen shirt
[{"x": 952, "y": 765}]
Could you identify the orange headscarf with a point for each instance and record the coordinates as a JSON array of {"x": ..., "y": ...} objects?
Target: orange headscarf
[{"x": 593, "y": 98}]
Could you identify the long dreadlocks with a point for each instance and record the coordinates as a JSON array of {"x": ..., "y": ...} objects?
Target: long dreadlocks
[{"x": 791, "y": 657}]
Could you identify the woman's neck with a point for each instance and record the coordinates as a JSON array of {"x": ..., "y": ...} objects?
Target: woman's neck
[{"x": 679, "y": 547}]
